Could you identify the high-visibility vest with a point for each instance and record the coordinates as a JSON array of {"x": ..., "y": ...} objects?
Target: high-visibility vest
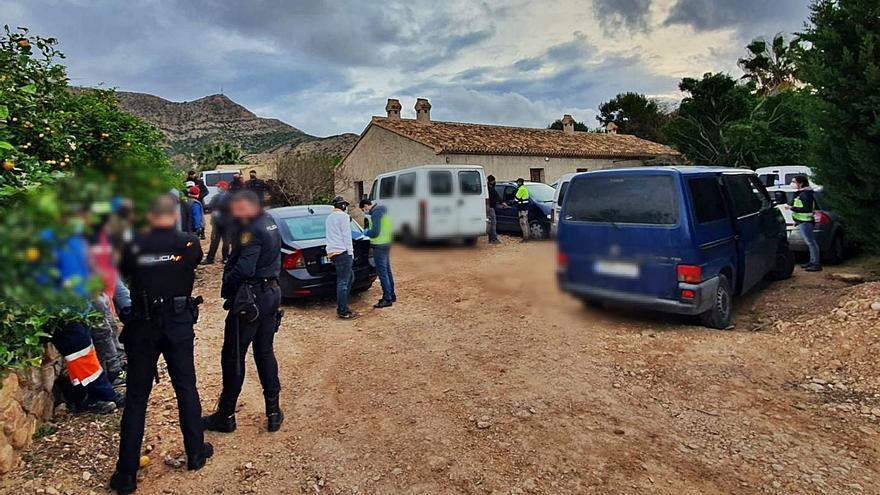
[
  {"x": 798, "y": 216},
  {"x": 385, "y": 234},
  {"x": 522, "y": 195}
]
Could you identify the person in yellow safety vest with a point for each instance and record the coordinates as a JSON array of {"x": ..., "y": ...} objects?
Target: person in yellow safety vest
[
  {"x": 802, "y": 213},
  {"x": 381, "y": 233},
  {"x": 521, "y": 199}
]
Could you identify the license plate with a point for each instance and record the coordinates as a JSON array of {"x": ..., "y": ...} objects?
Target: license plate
[
  {"x": 325, "y": 260},
  {"x": 616, "y": 268}
]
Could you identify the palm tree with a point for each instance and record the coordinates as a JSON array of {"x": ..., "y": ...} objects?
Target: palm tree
[
  {"x": 219, "y": 154},
  {"x": 771, "y": 66}
]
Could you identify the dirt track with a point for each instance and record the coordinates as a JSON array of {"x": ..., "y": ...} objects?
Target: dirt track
[{"x": 484, "y": 378}]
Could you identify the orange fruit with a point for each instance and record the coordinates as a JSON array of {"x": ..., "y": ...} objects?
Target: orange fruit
[
  {"x": 24, "y": 43},
  {"x": 144, "y": 461},
  {"x": 8, "y": 165},
  {"x": 32, "y": 254}
]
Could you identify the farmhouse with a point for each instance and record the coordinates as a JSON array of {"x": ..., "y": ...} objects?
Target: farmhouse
[{"x": 542, "y": 155}]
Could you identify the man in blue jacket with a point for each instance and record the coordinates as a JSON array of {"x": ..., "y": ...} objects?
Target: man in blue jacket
[{"x": 381, "y": 234}]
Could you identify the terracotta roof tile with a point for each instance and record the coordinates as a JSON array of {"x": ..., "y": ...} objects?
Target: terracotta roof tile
[{"x": 456, "y": 137}]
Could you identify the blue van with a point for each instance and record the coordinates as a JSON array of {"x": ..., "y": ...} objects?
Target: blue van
[{"x": 674, "y": 239}]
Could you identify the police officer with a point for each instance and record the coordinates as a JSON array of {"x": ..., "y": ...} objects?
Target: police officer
[
  {"x": 521, "y": 199},
  {"x": 160, "y": 266},
  {"x": 250, "y": 287}
]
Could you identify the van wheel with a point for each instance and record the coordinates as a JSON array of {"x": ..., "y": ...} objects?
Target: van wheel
[
  {"x": 470, "y": 241},
  {"x": 719, "y": 315},
  {"x": 407, "y": 237},
  {"x": 836, "y": 252},
  {"x": 537, "y": 230},
  {"x": 783, "y": 268}
]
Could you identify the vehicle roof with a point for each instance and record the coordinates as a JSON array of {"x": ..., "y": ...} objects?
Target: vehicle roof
[
  {"x": 783, "y": 168},
  {"x": 525, "y": 183},
  {"x": 299, "y": 211},
  {"x": 448, "y": 166},
  {"x": 671, "y": 170}
]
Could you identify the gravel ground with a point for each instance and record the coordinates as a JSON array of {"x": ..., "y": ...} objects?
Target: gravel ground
[{"x": 485, "y": 379}]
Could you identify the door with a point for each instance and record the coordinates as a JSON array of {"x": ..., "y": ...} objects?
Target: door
[
  {"x": 471, "y": 203},
  {"x": 441, "y": 219},
  {"x": 750, "y": 225},
  {"x": 506, "y": 217}
]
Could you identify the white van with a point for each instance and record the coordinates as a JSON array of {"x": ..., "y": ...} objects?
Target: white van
[
  {"x": 434, "y": 202},
  {"x": 212, "y": 177},
  {"x": 782, "y": 175}
]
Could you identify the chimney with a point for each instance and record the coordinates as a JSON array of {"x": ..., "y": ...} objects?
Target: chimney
[
  {"x": 393, "y": 108},
  {"x": 423, "y": 110},
  {"x": 568, "y": 124},
  {"x": 611, "y": 128}
]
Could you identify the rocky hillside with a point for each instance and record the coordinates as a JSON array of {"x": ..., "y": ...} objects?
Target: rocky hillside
[{"x": 189, "y": 126}]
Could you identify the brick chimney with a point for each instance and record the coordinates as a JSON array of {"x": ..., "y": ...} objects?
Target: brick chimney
[
  {"x": 393, "y": 108},
  {"x": 423, "y": 110},
  {"x": 568, "y": 124}
]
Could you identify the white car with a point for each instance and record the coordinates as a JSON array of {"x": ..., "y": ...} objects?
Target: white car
[
  {"x": 434, "y": 202},
  {"x": 782, "y": 175},
  {"x": 212, "y": 177}
]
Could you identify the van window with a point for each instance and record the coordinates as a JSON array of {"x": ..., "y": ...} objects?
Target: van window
[
  {"x": 470, "y": 182},
  {"x": 406, "y": 185},
  {"x": 213, "y": 179},
  {"x": 386, "y": 187},
  {"x": 562, "y": 189},
  {"x": 440, "y": 182},
  {"x": 646, "y": 199},
  {"x": 708, "y": 202},
  {"x": 745, "y": 201},
  {"x": 760, "y": 191},
  {"x": 374, "y": 191}
]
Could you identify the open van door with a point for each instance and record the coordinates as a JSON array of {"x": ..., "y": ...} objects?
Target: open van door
[{"x": 754, "y": 224}]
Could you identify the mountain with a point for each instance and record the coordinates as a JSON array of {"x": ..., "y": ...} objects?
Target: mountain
[{"x": 189, "y": 126}]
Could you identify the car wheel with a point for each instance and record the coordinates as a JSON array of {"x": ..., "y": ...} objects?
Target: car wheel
[
  {"x": 783, "y": 268},
  {"x": 836, "y": 252},
  {"x": 537, "y": 230},
  {"x": 719, "y": 315}
]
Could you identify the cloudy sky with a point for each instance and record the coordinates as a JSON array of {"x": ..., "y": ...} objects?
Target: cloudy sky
[{"x": 326, "y": 66}]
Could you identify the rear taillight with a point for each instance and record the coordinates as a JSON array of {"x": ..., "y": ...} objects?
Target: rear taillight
[
  {"x": 691, "y": 274},
  {"x": 821, "y": 217},
  {"x": 293, "y": 260},
  {"x": 561, "y": 259}
]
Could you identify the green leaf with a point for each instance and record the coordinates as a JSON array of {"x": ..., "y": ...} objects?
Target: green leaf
[
  {"x": 29, "y": 89},
  {"x": 4, "y": 111},
  {"x": 6, "y": 146}
]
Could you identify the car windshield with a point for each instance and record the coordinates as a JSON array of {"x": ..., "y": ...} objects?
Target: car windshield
[
  {"x": 643, "y": 199},
  {"x": 542, "y": 193},
  {"x": 213, "y": 179},
  {"x": 311, "y": 227}
]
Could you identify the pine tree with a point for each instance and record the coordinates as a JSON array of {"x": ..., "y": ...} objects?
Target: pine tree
[{"x": 841, "y": 65}]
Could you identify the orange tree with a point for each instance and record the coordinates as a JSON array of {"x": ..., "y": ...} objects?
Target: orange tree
[{"x": 61, "y": 149}]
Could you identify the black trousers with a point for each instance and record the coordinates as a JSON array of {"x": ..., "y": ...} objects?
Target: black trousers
[
  {"x": 238, "y": 336},
  {"x": 219, "y": 232},
  {"x": 142, "y": 357}
]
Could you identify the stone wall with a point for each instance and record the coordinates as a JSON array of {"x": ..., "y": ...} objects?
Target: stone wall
[{"x": 26, "y": 402}]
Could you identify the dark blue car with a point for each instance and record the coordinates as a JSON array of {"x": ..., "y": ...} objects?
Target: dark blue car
[
  {"x": 674, "y": 239},
  {"x": 540, "y": 206}
]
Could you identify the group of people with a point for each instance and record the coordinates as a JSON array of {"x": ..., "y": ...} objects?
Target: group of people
[{"x": 521, "y": 202}]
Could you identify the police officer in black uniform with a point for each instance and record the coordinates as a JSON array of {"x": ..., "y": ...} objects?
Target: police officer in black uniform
[
  {"x": 250, "y": 288},
  {"x": 160, "y": 266}
]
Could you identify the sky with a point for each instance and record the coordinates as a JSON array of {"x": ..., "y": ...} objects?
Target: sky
[{"x": 326, "y": 66}]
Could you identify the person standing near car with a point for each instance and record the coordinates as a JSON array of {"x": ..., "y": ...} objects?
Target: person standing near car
[
  {"x": 381, "y": 234},
  {"x": 250, "y": 288},
  {"x": 340, "y": 250},
  {"x": 494, "y": 201},
  {"x": 160, "y": 265},
  {"x": 802, "y": 207},
  {"x": 220, "y": 228},
  {"x": 521, "y": 199}
]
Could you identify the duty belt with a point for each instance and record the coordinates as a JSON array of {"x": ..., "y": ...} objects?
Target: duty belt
[{"x": 263, "y": 282}]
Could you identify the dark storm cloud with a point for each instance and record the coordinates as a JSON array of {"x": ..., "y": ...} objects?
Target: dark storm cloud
[
  {"x": 631, "y": 14},
  {"x": 743, "y": 14}
]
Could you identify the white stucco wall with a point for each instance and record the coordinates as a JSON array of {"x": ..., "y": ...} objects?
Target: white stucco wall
[{"x": 512, "y": 167}]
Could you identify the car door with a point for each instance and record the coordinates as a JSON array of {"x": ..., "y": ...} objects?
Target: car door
[
  {"x": 749, "y": 227},
  {"x": 471, "y": 203},
  {"x": 506, "y": 216},
  {"x": 442, "y": 221}
]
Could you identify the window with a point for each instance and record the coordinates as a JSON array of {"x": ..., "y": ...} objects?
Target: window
[
  {"x": 745, "y": 201},
  {"x": 507, "y": 193},
  {"x": 386, "y": 187},
  {"x": 406, "y": 185},
  {"x": 562, "y": 189},
  {"x": 359, "y": 190},
  {"x": 536, "y": 174},
  {"x": 759, "y": 191},
  {"x": 708, "y": 202},
  {"x": 440, "y": 182},
  {"x": 769, "y": 179},
  {"x": 540, "y": 193},
  {"x": 374, "y": 191},
  {"x": 470, "y": 182},
  {"x": 583, "y": 170},
  {"x": 311, "y": 227},
  {"x": 213, "y": 179},
  {"x": 644, "y": 199}
]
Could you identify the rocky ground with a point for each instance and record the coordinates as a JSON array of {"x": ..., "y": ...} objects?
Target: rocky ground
[{"x": 485, "y": 379}]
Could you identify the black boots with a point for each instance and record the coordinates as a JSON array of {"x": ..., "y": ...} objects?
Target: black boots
[
  {"x": 123, "y": 484},
  {"x": 273, "y": 414},
  {"x": 219, "y": 421},
  {"x": 199, "y": 461}
]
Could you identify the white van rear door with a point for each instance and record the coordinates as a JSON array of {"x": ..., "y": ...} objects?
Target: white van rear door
[
  {"x": 472, "y": 196},
  {"x": 441, "y": 217}
]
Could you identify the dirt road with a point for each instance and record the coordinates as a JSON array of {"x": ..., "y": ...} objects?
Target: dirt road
[{"x": 485, "y": 379}]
